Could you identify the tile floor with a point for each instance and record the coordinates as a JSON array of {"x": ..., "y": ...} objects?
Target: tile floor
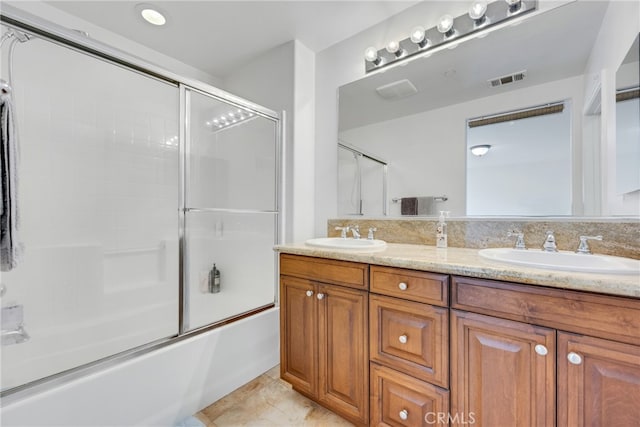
[{"x": 268, "y": 401}]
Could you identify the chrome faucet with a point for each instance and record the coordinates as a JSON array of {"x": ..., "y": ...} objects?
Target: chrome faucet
[
  {"x": 550, "y": 243},
  {"x": 519, "y": 239},
  {"x": 372, "y": 230},
  {"x": 583, "y": 247},
  {"x": 355, "y": 230},
  {"x": 343, "y": 231}
]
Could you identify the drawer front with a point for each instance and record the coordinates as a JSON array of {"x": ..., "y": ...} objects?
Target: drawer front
[
  {"x": 351, "y": 274},
  {"x": 609, "y": 317},
  {"x": 400, "y": 400},
  {"x": 429, "y": 288},
  {"x": 410, "y": 337}
]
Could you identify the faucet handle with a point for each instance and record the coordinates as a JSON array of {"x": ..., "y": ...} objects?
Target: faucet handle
[
  {"x": 372, "y": 230},
  {"x": 343, "y": 231},
  {"x": 519, "y": 239},
  {"x": 550, "y": 242},
  {"x": 583, "y": 246}
]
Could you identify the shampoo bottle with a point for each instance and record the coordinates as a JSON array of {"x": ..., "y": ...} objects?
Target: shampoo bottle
[
  {"x": 214, "y": 280},
  {"x": 441, "y": 231}
]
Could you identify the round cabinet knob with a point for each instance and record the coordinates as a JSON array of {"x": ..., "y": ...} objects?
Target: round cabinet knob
[
  {"x": 403, "y": 339},
  {"x": 320, "y": 296},
  {"x": 404, "y": 414},
  {"x": 574, "y": 358},
  {"x": 309, "y": 293},
  {"x": 402, "y": 286},
  {"x": 541, "y": 350}
]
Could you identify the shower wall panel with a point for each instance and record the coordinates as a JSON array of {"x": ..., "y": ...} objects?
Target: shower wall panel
[{"x": 98, "y": 199}]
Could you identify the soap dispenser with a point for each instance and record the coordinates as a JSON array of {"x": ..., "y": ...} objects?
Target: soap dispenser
[{"x": 441, "y": 230}]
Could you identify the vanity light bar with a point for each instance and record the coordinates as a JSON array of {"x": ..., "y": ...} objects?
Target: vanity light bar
[{"x": 446, "y": 32}]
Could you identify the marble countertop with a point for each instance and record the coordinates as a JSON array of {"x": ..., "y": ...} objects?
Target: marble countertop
[{"x": 467, "y": 262}]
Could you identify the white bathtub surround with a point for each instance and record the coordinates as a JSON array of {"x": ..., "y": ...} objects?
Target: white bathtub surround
[{"x": 162, "y": 387}]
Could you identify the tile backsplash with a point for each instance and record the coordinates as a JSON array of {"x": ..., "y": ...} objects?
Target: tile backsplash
[{"x": 621, "y": 237}]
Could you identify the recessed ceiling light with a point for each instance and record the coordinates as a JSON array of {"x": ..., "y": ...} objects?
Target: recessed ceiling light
[{"x": 151, "y": 14}]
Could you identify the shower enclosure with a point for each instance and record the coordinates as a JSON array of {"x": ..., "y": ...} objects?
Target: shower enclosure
[
  {"x": 362, "y": 182},
  {"x": 133, "y": 183}
]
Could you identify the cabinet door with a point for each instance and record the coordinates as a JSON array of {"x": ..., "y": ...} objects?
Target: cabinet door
[
  {"x": 502, "y": 372},
  {"x": 298, "y": 334},
  {"x": 343, "y": 369},
  {"x": 598, "y": 382}
]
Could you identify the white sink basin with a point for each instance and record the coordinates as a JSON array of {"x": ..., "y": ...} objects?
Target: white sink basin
[
  {"x": 562, "y": 260},
  {"x": 360, "y": 245}
]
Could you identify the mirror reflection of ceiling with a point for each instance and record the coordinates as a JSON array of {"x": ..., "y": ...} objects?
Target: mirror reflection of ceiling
[
  {"x": 634, "y": 52},
  {"x": 550, "y": 46}
]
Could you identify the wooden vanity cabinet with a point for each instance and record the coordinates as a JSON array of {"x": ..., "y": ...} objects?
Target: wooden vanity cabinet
[
  {"x": 416, "y": 347},
  {"x": 500, "y": 373},
  {"x": 324, "y": 333}
]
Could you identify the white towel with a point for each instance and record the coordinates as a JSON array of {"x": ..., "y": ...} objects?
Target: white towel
[
  {"x": 426, "y": 205},
  {"x": 10, "y": 247}
]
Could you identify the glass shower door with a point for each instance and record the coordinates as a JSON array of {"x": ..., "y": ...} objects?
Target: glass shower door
[{"x": 231, "y": 213}]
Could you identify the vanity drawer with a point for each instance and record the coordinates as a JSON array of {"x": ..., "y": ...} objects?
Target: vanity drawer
[
  {"x": 351, "y": 274},
  {"x": 401, "y": 400},
  {"x": 602, "y": 316},
  {"x": 410, "y": 337},
  {"x": 414, "y": 285}
]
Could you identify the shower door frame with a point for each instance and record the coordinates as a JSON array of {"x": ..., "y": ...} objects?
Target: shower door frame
[
  {"x": 385, "y": 174},
  {"x": 17, "y": 19}
]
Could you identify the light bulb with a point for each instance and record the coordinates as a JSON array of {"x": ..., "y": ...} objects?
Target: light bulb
[
  {"x": 152, "y": 16},
  {"x": 445, "y": 23},
  {"x": 478, "y": 9},
  {"x": 371, "y": 54},
  {"x": 480, "y": 150},
  {"x": 417, "y": 35},
  {"x": 393, "y": 47},
  {"x": 514, "y": 5}
]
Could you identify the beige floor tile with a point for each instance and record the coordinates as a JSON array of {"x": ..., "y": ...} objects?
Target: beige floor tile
[
  {"x": 268, "y": 401},
  {"x": 273, "y": 372}
]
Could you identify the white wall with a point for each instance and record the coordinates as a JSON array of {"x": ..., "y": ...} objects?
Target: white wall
[
  {"x": 619, "y": 29},
  {"x": 282, "y": 80}
]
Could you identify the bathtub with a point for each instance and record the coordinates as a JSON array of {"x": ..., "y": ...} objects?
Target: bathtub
[{"x": 159, "y": 388}]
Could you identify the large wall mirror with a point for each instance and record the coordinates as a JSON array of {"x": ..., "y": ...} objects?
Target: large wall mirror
[
  {"x": 417, "y": 118},
  {"x": 627, "y": 122}
]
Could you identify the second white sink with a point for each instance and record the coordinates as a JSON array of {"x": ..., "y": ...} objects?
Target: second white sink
[
  {"x": 563, "y": 260},
  {"x": 360, "y": 245}
]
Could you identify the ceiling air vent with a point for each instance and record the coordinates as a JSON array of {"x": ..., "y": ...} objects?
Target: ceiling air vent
[
  {"x": 397, "y": 90},
  {"x": 510, "y": 78}
]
